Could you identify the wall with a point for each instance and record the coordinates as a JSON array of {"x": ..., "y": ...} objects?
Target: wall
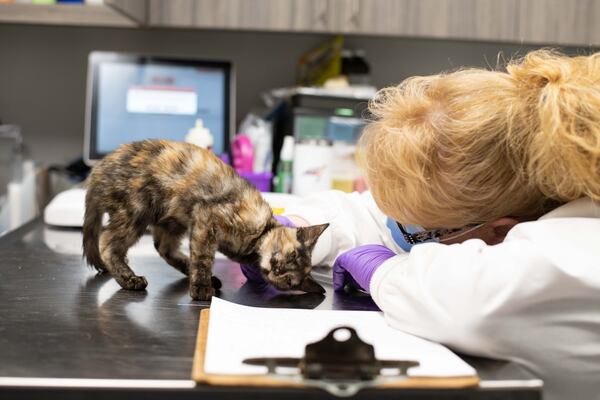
[{"x": 43, "y": 69}]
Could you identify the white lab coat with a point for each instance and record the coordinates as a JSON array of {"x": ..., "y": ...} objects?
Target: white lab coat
[{"x": 534, "y": 298}]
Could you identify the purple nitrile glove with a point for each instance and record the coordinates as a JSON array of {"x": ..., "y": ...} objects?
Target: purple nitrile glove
[
  {"x": 252, "y": 272},
  {"x": 356, "y": 267}
]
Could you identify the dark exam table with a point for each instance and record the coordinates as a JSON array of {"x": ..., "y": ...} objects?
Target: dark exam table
[{"x": 67, "y": 333}]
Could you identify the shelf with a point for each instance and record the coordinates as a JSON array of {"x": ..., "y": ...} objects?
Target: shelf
[{"x": 64, "y": 14}]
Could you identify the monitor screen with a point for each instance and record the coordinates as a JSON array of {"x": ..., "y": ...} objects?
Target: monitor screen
[{"x": 133, "y": 97}]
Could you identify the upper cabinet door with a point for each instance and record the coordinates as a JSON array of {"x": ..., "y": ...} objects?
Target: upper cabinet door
[
  {"x": 484, "y": 19},
  {"x": 559, "y": 21},
  {"x": 134, "y": 9},
  {"x": 266, "y": 15},
  {"x": 521, "y": 21}
]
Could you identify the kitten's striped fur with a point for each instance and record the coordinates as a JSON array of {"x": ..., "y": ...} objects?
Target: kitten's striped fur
[{"x": 178, "y": 189}]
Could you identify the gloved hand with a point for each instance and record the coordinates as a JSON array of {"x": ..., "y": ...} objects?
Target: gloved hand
[
  {"x": 252, "y": 272},
  {"x": 356, "y": 267}
]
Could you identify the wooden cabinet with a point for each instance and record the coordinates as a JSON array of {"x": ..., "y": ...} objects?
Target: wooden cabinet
[
  {"x": 457, "y": 19},
  {"x": 559, "y": 21},
  {"x": 136, "y": 10},
  {"x": 264, "y": 15},
  {"x": 64, "y": 14},
  {"x": 562, "y": 22},
  {"x": 522, "y": 21}
]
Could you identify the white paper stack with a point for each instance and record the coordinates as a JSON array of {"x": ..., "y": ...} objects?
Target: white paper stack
[{"x": 239, "y": 332}]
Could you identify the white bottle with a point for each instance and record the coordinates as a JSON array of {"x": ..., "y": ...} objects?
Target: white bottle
[
  {"x": 200, "y": 136},
  {"x": 312, "y": 167}
]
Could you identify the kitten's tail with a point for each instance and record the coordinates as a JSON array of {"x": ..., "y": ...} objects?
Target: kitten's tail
[{"x": 92, "y": 224}]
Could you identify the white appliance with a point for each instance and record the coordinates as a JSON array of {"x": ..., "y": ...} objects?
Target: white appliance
[{"x": 67, "y": 208}]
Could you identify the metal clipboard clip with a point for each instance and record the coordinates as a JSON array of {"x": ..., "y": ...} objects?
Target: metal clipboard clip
[{"x": 341, "y": 363}]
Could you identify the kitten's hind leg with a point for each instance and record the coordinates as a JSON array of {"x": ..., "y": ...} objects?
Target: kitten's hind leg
[
  {"x": 203, "y": 246},
  {"x": 167, "y": 239},
  {"x": 115, "y": 240}
]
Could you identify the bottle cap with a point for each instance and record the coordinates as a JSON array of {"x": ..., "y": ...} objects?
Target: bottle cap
[{"x": 287, "y": 150}]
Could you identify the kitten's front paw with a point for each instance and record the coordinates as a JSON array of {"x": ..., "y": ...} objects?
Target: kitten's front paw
[
  {"x": 135, "y": 283},
  {"x": 216, "y": 282},
  {"x": 202, "y": 293}
]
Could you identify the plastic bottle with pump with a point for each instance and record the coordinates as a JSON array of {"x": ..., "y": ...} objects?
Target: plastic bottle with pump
[
  {"x": 284, "y": 169},
  {"x": 200, "y": 136}
]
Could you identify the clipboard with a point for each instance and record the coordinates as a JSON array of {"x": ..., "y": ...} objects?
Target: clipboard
[{"x": 275, "y": 380}]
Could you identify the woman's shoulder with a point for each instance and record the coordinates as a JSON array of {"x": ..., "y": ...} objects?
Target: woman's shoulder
[
  {"x": 567, "y": 237},
  {"x": 584, "y": 207}
]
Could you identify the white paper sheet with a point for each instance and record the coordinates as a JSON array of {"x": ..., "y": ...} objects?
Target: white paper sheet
[{"x": 238, "y": 332}]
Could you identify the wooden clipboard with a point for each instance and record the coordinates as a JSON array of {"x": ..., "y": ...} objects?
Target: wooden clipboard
[{"x": 200, "y": 376}]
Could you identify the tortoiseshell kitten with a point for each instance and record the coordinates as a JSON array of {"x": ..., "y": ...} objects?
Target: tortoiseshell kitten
[{"x": 178, "y": 188}]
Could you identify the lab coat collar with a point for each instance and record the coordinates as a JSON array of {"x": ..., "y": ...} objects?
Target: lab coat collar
[{"x": 580, "y": 208}]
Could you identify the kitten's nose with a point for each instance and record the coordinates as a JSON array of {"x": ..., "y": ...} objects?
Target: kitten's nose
[
  {"x": 289, "y": 279},
  {"x": 309, "y": 285}
]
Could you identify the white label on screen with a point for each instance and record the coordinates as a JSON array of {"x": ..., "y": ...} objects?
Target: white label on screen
[{"x": 161, "y": 100}]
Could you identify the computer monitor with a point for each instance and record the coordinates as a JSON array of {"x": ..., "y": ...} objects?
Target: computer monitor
[{"x": 133, "y": 97}]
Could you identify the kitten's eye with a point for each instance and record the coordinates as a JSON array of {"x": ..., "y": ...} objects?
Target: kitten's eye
[{"x": 289, "y": 281}]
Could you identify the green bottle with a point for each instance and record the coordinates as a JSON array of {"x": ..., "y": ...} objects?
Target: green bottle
[{"x": 284, "y": 169}]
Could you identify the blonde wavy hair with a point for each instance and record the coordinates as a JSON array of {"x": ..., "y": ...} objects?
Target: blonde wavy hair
[{"x": 475, "y": 145}]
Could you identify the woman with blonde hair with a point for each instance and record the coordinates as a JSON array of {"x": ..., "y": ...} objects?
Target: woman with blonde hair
[{"x": 482, "y": 227}]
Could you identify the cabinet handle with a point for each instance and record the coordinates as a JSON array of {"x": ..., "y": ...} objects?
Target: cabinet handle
[
  {"x": 322, "y": 18},
  {"x": 355, "y": 14}
]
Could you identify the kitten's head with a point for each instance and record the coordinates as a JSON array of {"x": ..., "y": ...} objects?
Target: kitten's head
[{"x": 285, "y": 257}]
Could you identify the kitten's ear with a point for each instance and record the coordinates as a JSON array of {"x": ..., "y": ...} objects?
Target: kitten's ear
[
  {"x": 309, "y": 234},
  {"x": 309, "y": 285}
]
